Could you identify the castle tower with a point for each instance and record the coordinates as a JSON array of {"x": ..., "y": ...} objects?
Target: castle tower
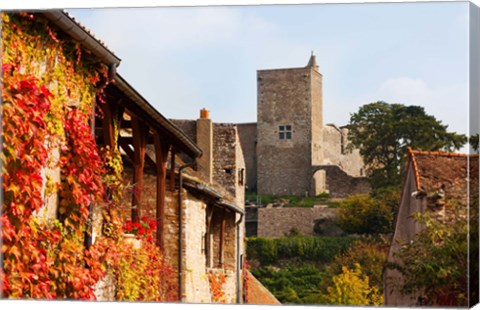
[{"x": 289, "y": 128}]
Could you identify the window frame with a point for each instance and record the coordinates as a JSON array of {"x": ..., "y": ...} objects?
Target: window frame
[{"x": 285, "y": 132}]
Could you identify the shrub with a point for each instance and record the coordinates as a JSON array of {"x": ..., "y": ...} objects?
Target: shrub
[
  {"x": 436, "y": 261},
  {"x": 317, "y": 249},
  {"x": 294, "y": 283},
  {"x": 352, "y": 287},
  {"x": 363, "y": 214},
  {"x": 369, "y": 253}
]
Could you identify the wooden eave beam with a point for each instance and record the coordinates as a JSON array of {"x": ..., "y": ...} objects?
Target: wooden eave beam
[
  {"x": 139, "y": 131},
  {"x": 161, "y": 155}
]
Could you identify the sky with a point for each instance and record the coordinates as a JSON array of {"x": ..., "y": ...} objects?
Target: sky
[{"x": 183, "y": 59}]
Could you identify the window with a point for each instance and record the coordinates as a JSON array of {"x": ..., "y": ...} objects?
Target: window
[{"x": 285, "y": 132}]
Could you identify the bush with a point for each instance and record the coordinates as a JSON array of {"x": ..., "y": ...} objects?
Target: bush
[
  {"x": 293, "y": 284},
  {"x": 363, "y": 214},
  {"x": 352, "y": 287},
  {"x": 317, "y": 249},
  {"x": 369, "y": 253}
]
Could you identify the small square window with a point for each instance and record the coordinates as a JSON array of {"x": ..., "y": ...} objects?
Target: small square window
[{"x": 285, "y": 132}]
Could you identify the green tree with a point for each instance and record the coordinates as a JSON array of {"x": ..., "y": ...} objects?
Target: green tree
[
  {"x": 474, "y": 142},
  {"x": 382, "y": 132}
]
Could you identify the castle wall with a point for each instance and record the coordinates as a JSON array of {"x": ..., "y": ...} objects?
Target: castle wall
[
  {"x": 278, "y": 222},
  {"x": 248, "y": 140},
  {"x": 284, "y": 99},
  {"x": 316, "y": 102},
  {"x": 335, "y": 152},
  {"x": 340, "y": 185}
]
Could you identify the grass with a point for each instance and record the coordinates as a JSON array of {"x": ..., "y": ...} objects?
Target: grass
[{"x": 293, "y": 201}]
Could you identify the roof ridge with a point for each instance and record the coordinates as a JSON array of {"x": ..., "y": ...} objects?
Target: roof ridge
[
  {"x": 439, "y": 153},
  {"x": 411, "y": 154}
]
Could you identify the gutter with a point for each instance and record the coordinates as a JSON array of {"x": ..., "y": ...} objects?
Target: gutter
[
  {"x": 71, "y": 27},
  {"x": 239, "y": 258},
  {"x": 190, "y": 147}
]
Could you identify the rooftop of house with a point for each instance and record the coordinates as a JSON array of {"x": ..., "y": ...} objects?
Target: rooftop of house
[
  {"x": 257, "y": 294},
  {"x": 445, "y": 175}
]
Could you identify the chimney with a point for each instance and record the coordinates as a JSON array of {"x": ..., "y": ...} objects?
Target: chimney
[{"x": 205, "y": 143}]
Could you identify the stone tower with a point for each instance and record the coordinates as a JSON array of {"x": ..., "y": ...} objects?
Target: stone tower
[{"x": 289, "y": 129}]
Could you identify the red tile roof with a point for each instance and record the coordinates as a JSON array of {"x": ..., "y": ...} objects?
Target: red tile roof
[
  {"x": 446, "y": 173},
  {"x": 257, "y": 294}
]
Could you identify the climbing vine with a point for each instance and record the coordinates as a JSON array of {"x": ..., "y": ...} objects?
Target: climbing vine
[
  {"x": 217, "y": 280},
  {"x": 50, "y": 86},
  {"x": 48, "y": 94}
]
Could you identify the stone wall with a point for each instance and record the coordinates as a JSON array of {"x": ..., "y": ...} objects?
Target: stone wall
[
  {"x": 335, "y": 151},
  {"x": 225, "y": 169},
  {"x": 278, "y": 222},
  {"x": 228, "y": 162},
  {"x": 248, "y": 140},
  {"x": 196, "y": 261},
  {"x": 340, "y": 185},
  {"x": 284, "y": 98}
]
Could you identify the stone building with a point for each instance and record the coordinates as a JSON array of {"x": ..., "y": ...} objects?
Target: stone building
[
  {"x": 436, "y": 183},
  {"x": 202, "y": 220},
  {"x": 294, "y": 153}
]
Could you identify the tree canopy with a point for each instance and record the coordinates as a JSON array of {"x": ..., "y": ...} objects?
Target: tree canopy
[{"x": 382, "y": 132}]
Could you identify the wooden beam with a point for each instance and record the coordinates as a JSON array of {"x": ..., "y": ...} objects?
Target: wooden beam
[
  {"x": 129, "y": 140},
  {"x": 139, "y": 144},
  {"x": 130, "y": 153},
  {"x": 161, "y": 152},
  {"x": 128, "y": 150},
  {"x": 107, "y": 125}
]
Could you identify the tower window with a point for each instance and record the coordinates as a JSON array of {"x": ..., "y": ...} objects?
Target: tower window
[{"x": 285, "y": 132}]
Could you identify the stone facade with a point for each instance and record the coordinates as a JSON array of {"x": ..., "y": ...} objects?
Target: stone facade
[
  {"x": 284, "y": 130},
  {"x": 290, "y": 137},
  {"x": 201, "y": 252},
  {"x": 223, "y": 152},
  {"x": 337, "y": 182},
  {"x": 247, "y": 134},
  {"x": 277, "y": 222}
]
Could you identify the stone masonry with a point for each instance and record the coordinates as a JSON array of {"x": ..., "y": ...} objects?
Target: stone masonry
[
  {"x": 278, "y": 222},
  {"x": 289, "y": 138}
]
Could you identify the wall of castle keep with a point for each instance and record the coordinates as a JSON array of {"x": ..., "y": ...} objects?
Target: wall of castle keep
[
  {"x": 284, "y": 99},
  {"x": 316, "y": 102}
]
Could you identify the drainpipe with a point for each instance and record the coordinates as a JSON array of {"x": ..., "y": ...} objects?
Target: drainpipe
[
  {"x": 180, "y": 230},
  {"x": 239, "y": 257}
]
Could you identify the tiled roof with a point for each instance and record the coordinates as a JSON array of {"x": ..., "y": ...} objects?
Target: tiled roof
[
  {"x": 444, "y": 173},
  {"x": 257, "y": 294}
]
